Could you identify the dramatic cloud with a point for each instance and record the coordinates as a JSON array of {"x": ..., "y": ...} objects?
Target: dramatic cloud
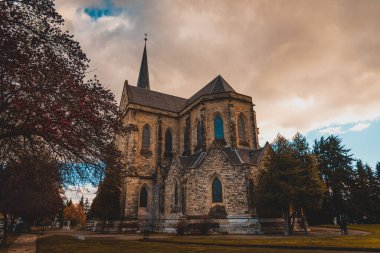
[
  {"x": 359, "y": 127},
  {"x": 307, "y": 64}
]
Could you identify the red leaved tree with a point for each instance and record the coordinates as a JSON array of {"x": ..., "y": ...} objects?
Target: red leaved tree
[{"x": 45, "y": 100}]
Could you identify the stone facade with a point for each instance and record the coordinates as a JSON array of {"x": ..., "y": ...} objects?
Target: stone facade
[{"x": 186, "y": 158}]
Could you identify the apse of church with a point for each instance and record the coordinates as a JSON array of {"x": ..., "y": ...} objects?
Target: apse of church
[{"x": 185, "y": 158}]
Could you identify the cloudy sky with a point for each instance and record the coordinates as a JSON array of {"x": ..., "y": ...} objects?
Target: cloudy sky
[{"x": 310, "y": 66}]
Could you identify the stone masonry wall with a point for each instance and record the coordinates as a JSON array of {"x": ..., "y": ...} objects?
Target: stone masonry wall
[{"x": 199, "y": 183}]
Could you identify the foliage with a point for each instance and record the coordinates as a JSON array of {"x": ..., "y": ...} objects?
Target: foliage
[
  {"x": 335, "y": 166},
  {"x": 45, "y": 102},
  {"x": 107, "y": 203},
  {"x": 290, "y": 181},
  {"x": 30, "y": 187},
  {"x": 75, "y": 214}
]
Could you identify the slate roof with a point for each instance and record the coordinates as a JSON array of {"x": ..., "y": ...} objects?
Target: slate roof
[
  {"x": 155, "y": 99},
  {"x": 162, "y": 101},
  {"x": 143, "y": 81},
  {"x": 235, "y": 156}
]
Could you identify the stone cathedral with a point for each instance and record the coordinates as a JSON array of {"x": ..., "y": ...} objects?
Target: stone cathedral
[{"x": 187, "y": 158}]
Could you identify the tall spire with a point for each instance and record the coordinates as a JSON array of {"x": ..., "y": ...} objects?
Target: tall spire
[{"x": 143, "y": 81}]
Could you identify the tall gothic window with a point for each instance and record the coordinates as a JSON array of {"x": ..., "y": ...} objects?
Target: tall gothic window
[
  {"x": 146, "y": 136},
  {"x": 176, "y": 194},
  {"x": 199, "y": 134},
  {"x": 143, "y": 197},
  {"x": 217, "y": 195},
  {"x": 241, "y": 128},
  {"x": 218, "y": 128},
  {"x": 168, "y": 141}
]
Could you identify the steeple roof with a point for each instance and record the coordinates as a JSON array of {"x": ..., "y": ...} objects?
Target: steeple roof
[
  {"x": 217, "y": 85},
  {"x": 143, "y": 81}
]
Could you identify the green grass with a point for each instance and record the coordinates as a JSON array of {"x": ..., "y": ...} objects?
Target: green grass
[
  {"x": 67, "y": 244},
  {"x": 371, "y": 240},
  {"x": 10, "y": 239}
]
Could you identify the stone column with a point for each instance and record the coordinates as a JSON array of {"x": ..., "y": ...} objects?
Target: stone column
[
  {"x": 203, "y": 132},
  {"x": 255, "y": 134},
  {"x": 232, "y": 125}
]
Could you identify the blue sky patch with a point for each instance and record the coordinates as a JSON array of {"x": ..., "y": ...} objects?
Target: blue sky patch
[
  {"x": 362, "y": 138},
  {"x": 97, "y": 12}
]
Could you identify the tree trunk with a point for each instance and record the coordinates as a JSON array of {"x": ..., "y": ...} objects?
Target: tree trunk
[
  {"x": 5, "y": 229},
  {"x": 103, "y": 225},
  {"x": 293, "y": 219},
  {"x": 287, "y": 221},
  {"x": 304, "y": 221}
]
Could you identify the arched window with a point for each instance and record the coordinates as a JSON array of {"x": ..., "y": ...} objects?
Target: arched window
[
  {"x": 143, "y": 197},
  {"x": 218, "y": 128},
  {"x": 168, "y": 141},
  {"x": 241, "y": 128},
  {"x": 217, "y": 195},
  {"x": 199, "y": 134},
  {"x": 146, "y": 136},
  {"x": 176, "y": 194},
  {"x": 250, "y": 192}
]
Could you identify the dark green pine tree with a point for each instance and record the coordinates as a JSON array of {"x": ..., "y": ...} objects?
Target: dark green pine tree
[
  {"x": 107, "y": 205},
  {"x": 377, "y": 192},
  {"x": 81, "y": 202},
  {"x": 290, "y": 183},
  {"x": 360, "y": 201},
  {"x": 335, "y": 165},
  {"x": 308, "y": 184}
]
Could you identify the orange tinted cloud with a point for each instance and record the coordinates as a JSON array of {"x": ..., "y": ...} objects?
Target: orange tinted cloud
[{"x": 306, "y": 64}]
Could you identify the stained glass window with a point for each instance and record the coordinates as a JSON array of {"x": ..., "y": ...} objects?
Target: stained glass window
[
  {"x": 218, "y": 128},
  {"x": 241, "y": 128},
  {"x": 217, "y": 195},
  {"x": 168, "y": 141},
  {"x": 146, "y": 136},
  {"x": 143, "y": 197}
]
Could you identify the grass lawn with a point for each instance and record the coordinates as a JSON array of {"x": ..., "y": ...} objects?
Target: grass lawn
[
  {"x": 11, "y": 238},
  {"x": 371, "y": 240},
  {"x": 67, "y": 244}
]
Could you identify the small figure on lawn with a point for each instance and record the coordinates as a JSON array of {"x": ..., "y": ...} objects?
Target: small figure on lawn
[{"x": 343, "y": 225}]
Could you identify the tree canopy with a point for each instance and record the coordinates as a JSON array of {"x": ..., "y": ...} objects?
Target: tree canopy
[
  {"x": 46, "y": 101},
  {"x": 290, "y": 182}
]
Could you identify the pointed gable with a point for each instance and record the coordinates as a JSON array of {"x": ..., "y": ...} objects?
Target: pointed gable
[{"x": 217, "y": 85}]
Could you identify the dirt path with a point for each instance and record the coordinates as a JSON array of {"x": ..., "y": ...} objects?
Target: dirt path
[{"x": 24, "y": 244}]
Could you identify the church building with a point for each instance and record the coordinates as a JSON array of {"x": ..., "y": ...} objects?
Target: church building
[{"x": 190, "y": 158}]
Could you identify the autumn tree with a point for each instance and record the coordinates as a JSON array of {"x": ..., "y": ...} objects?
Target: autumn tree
[
  {"x": 75, "y": 214},
  {"x": 46, "y": 101}
]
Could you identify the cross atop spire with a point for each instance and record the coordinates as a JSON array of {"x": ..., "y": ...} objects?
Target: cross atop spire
[{"x": 143, "y": 81}]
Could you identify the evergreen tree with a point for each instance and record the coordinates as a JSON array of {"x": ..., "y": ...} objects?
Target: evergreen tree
[
  {"x": 81, "y": 202},
  {"x": 107, "y": 205},
  {"x": 335, "y": 166},
  {"x": 309, "y": 187},
  {"x": 290, "y": 181},
  {"x": 360, "y": 200}
]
